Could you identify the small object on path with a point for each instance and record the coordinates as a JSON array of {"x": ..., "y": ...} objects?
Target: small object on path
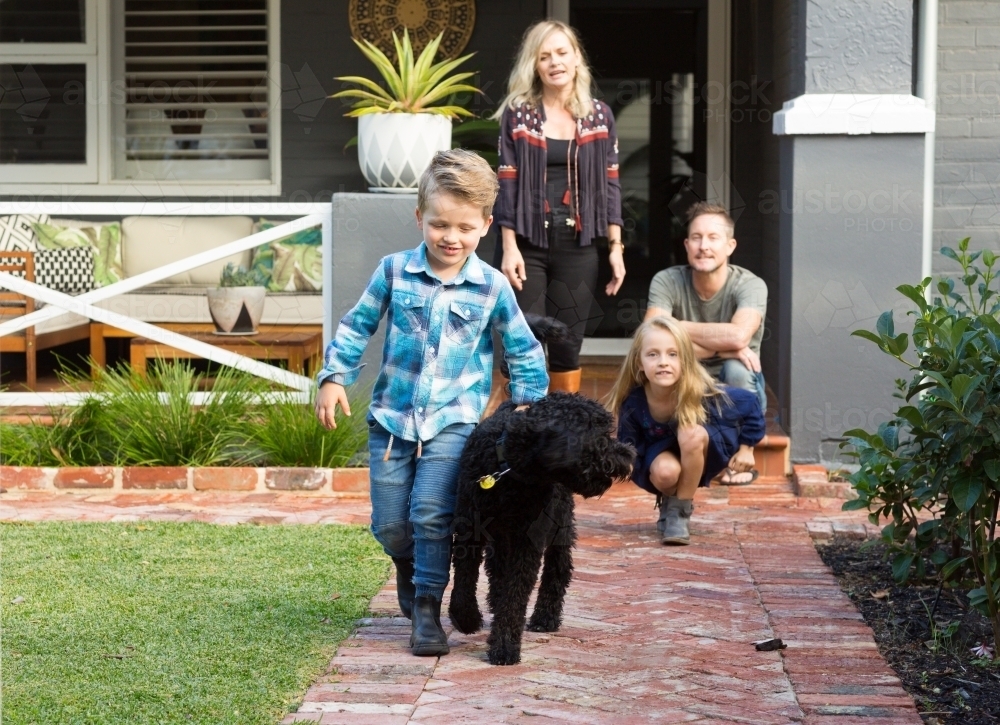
[
  {"x": 881, "y": 594},
  {"x": 769, "y": 645}
]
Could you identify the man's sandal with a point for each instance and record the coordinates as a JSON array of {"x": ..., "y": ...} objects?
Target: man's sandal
[{"x": 726, "y": 479}]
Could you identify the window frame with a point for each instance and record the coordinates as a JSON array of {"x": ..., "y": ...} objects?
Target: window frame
[{"x": 96, "y": 177}]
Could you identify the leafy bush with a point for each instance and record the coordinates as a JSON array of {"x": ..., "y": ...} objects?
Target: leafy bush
[
  {"x": 152, "y": 421},
  {"x": 933, "y": 471}
]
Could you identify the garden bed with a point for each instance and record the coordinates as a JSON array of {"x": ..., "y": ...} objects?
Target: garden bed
[{"x": 950, "y": 685}]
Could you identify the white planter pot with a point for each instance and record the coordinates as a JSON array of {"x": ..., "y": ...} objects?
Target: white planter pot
[
  {"x": 236, "y": 310},
  {"x": 395, "y": 148}
]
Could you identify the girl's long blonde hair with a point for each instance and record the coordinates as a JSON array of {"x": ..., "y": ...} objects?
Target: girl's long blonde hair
[
  {"x": 693, "y": 386},
  {"x": 524, "y": 85}
]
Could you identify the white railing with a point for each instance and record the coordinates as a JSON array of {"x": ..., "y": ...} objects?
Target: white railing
[{"x": 58, "y": 303}]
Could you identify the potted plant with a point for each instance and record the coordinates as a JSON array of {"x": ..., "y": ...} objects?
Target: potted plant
[
  {"x": 399, "y": 127},
  {"x": 238, "y": 302}
]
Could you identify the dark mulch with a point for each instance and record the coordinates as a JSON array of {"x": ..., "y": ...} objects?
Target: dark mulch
[{"x": 948, "y": 684}]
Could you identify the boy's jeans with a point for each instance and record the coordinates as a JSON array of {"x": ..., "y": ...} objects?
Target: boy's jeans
[{"x": 413, "y": 500}]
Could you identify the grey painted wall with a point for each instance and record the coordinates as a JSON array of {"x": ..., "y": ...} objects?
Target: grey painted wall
[
  {"x": 367, "y": 227},
  {"x": 852, "y": 234},
  {"x": 967, "y": 170},
  {"x": 858, "y": 46}
]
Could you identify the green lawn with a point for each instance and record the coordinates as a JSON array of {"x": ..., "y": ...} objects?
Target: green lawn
[{"x": 174, "y": 623}]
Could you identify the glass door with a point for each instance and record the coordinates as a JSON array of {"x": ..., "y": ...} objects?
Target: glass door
[{"x": 649, "y": 66}]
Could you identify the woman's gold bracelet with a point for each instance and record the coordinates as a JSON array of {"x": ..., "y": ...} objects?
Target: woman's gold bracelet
[{"x": 619, "y": 242}]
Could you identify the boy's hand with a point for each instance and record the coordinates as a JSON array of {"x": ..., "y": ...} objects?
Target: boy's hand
[{"x": 329, "y": 397}]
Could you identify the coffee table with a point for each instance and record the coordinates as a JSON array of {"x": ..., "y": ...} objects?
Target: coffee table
[{"x": 298, "y": 348}]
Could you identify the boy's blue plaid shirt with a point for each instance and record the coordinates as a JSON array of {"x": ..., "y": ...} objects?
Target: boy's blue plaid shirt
[{"x": 437, "y": 363}]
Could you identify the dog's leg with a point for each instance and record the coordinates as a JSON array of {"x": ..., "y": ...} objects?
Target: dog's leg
[
  {"x": 558, "y": 570},
  {"x": 510, "y": 605},
  {"x": 556, "y": 575},
  {"x": 463, "y": 607}
]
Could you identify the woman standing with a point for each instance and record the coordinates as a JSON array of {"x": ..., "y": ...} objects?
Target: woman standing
[{"x": 559, "y": 188}]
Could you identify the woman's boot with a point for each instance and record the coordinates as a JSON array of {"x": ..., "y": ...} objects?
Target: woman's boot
[
  {"x": 497, "y": 396},
  {"x": 427, "y": 637},
  {"x": 405, "y": 588},
  {"x": 568, "y": 381}
]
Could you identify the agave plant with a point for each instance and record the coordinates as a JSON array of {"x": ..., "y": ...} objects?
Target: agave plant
[{"x": 412, "y": 88}]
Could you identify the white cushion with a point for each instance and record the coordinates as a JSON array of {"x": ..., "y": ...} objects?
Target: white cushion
[
  {"x": 149, "y": 242},
  {"x": 62, "y": 322}
]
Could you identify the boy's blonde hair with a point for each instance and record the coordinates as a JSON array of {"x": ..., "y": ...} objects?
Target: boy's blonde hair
[
  {"x": 702, "y": 208},
  {"x": 693, "y": 386},
  {"x": 524, "y": 85},
  {"x": 461, "y": 174}
]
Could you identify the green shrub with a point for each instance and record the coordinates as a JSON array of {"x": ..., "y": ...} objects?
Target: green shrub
[{"x": 933, "y": 471}]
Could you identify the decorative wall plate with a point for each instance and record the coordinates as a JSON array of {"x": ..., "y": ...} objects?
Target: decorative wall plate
[{"x": 374, "y": 20}]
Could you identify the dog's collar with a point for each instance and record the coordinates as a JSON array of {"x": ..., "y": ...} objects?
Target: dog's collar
[{"x": 490, "y": 480}]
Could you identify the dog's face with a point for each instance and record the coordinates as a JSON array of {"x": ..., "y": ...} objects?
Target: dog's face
[{"x": 566, "y": 438}]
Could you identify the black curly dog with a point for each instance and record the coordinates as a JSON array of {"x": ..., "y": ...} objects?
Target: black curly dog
[{"x": 539, "y": 458}]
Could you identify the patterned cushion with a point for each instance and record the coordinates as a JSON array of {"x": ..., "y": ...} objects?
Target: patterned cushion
[
  {"x": 17, "y": 232},
  {"x": 105, "y": 241},
  {"x": 65, "y": 270},
  {"x": 291, "y": 264}
]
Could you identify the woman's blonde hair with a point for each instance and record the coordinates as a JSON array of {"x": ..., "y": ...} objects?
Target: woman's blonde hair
[
  {"x": 524, "y": 85},
  {"x": 694, "y": 383}
]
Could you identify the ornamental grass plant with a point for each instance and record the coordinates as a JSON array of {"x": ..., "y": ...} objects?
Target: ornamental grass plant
[{"x": 164, "y": 419}]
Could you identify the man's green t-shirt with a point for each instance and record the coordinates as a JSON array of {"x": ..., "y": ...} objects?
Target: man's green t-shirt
[{"x": 673, "y": 290}]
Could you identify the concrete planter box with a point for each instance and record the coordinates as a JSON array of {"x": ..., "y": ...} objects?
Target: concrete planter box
[{"x": 331, "y": 481}]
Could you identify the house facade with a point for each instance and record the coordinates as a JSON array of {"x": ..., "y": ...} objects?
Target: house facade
[{"x": 809, "y": 118}]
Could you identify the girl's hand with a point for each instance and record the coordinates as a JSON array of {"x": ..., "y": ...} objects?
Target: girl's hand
[
  {"x": 329, "y": 397},
  {"x": 743, "y": 461},
  {"x": 617, "y": 270},
  {"x": 512, "y": 267}
]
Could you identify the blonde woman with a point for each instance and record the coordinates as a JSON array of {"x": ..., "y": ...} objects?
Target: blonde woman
[
  {"x": 559, "y": 189},
  {"x": 685, "y": 427}
]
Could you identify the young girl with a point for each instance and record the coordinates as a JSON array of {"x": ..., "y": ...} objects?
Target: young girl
[{"x": 685, "y": 427}]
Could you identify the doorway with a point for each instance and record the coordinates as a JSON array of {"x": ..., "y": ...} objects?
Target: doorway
[{"x": 650, "y": 64}]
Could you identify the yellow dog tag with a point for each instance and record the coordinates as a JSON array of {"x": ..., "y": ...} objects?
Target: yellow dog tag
[{"x": 487, "y": 482}]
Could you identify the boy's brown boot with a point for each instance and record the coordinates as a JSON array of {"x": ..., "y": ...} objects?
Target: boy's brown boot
[{"x": 673, "y": 523}]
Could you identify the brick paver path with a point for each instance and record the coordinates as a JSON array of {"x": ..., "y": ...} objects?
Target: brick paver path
[{"x": 651, "y": 634}]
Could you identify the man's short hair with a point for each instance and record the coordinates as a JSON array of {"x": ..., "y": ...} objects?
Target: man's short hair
[
  {"x": 462, "y": 174},
  {"x": 702, "y": 208}
]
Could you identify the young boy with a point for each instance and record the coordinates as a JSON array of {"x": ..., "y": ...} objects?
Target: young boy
[{"x": 442, "y": 305}]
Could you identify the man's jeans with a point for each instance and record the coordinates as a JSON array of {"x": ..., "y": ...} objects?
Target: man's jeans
[
  {"x": 736, "y": 375},
  {"x": 413, "y": 500}
]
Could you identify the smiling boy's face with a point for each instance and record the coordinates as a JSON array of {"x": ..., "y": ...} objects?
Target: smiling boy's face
[{"x": 452, "y": 229}]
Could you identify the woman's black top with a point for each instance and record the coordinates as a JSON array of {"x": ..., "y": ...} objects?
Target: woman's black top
[{"x": 557, "y": 178}]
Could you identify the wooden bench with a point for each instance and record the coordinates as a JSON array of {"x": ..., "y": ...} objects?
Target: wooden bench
[{"x": 297, "y": 348}]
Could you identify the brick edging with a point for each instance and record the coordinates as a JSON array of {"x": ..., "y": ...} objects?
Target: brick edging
[
  {"x": 343, "y": 481},
  {"x": 812, "y": 481}
]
